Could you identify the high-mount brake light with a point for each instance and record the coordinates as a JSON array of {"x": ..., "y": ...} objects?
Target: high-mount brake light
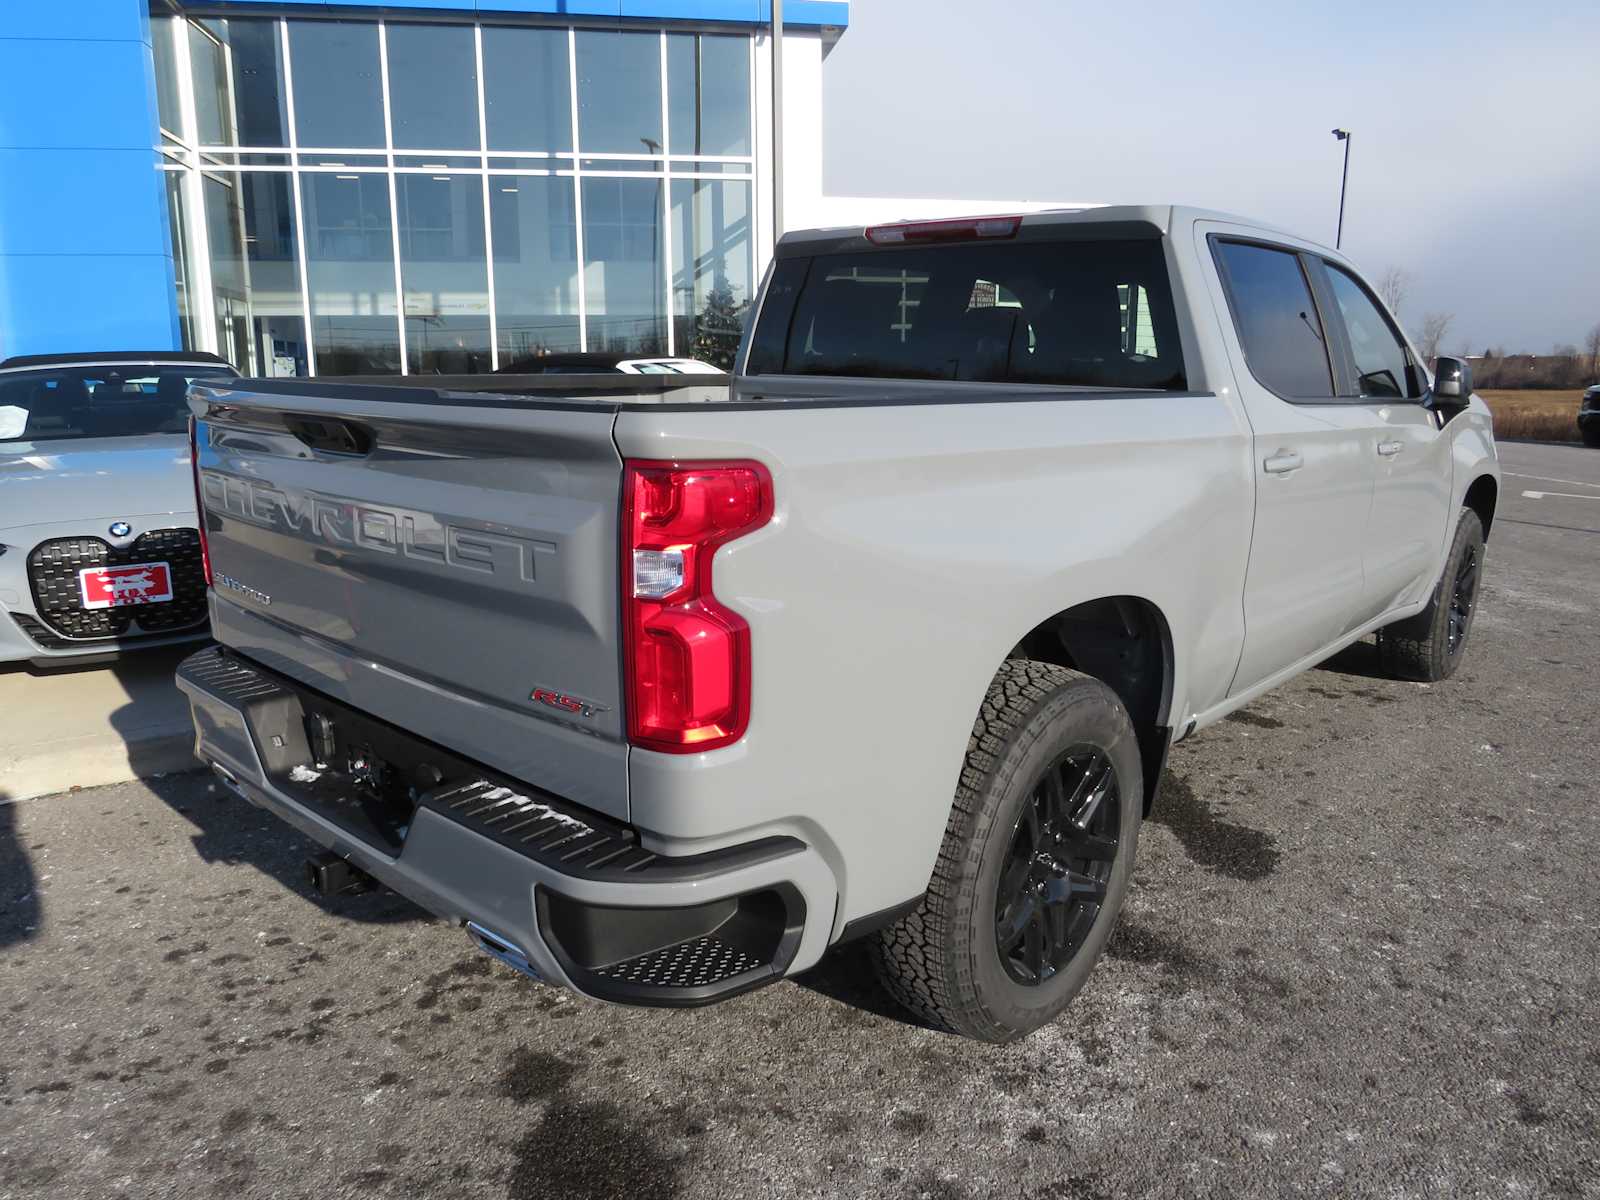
[
  {"x": 199, "y": 499},
  {"x": 962, "y": 229},
  {"x": 687, "y": 656}
]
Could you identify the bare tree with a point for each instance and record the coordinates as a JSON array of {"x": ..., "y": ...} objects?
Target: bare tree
[
  {"x": 1565, "y": 365},
  {"x": 1591, "y": 346},
  {"x": 1434, "y": 326},
  {"x": 1393, "y": 288}
]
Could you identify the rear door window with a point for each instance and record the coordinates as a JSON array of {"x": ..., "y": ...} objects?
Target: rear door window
[
  {"x": 1277, "y": 320},
  {"x": 1383, "y": 369},
  {"x": 1090, "y": 313}
]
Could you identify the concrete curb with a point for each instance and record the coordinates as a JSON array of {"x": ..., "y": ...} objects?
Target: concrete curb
[
  {"x": 92, "y": 761},
  {"x": 83, "y": 728}
]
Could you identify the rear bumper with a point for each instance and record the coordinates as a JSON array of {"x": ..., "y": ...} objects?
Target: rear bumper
[{"x": 579, "y": 898}]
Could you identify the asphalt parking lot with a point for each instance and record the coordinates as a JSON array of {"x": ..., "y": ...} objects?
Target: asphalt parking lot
[{"x": 1361, "y": 957}]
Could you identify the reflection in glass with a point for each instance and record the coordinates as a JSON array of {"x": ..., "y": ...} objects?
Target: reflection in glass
[
  {"x": 259, "y": 104},
  {"x": 168, "y": 110},
  {"x": 713, "y": 267},
  {"x": 622, "y": 271},
  {"x": 338, "y": 83},
  {"x": 619, "y": 92},
  {"x": 343, "y": 158},
  {"x": 209, "y": 66},
  {"x": 178, "y": 229},
  {"x": 443, "y": 274},
  {"x": 708, "y": 94},
  {"x": 527, "y": 89},
  {"x": 534, "y": 222},
  {"x": 353, "y": 221},
  {"x": 255, "y": 273},
  {"x": 350, "y": 261},
  {"x": 433, "y": 87}
]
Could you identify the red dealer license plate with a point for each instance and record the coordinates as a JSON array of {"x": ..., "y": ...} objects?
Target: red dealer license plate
[{"x": 115, "y": 587}]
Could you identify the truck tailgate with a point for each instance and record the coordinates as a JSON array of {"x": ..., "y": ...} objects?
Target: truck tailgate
[{"x": 448, "y": 565}]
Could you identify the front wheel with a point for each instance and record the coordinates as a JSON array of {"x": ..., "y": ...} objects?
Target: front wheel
[
  {"x": 1591, "y": 435},
  {"x": 1429, "y": 646},
  {"x": 1036, "y": 859}
]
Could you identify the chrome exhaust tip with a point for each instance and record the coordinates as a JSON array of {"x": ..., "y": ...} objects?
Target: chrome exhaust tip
[{"x": 496, "y": 946}]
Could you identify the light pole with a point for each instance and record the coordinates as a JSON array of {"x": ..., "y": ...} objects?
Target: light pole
[
  {"x": 777, "y": 120},
  {"x": 1344, "y": 136}
]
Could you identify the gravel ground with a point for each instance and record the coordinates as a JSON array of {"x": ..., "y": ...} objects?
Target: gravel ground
[{"x": 1360, "y": 957}]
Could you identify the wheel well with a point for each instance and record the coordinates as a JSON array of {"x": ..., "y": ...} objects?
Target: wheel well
[
  {"x": 1481, "y": 497},
  {"x": 1124, "y": 642}
]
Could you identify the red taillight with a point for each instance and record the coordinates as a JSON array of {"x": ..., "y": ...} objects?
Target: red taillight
[
  {"x": 963, "y": 229},
  {"x": 199, "y": 502},
  {"x": 688, "y": 657}
]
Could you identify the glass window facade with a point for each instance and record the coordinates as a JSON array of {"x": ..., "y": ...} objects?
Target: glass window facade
[
  {"x": 527, "y": 89},
  {"x": 356, "y": 197}
]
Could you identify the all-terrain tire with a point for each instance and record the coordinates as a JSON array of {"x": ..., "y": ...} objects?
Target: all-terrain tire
[
  {"x": 1421, "y": 648},
  {"x": 943, "y": 961}
]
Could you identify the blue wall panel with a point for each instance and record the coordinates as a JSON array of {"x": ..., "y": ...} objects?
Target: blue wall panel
[
  {"x": 799, "y": 13},
  {"x": 696, "y": 10},
  {"x": 55, "y": 202},
  {"x": 59, "y": 303},
  {"x": 83, "y": 94},
  {"x": 97, "y": 20},
  {"x": 562, "y": 8},
  {"x": 84, "y": 259}
]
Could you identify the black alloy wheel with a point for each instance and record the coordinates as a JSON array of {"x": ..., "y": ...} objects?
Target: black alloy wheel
[
  {"x": 1462, "y": 595},
  {"x": 1052, "y": 886},
  {"x": 1429, "y": 646}
]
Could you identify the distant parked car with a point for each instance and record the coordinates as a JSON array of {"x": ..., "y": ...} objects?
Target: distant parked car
[
  {"x": 1589, "y": 417},
  {"x": 98, "y": 546},
  {"x": 606, "y": 364}
]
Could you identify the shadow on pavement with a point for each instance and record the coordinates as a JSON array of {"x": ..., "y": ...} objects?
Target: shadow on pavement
[
  {"x": 846, "y": 975},
  {"x": 1359, "y": 659},
  {"x": 20, "y": 911},
  {"x": 234, "y": 831}
]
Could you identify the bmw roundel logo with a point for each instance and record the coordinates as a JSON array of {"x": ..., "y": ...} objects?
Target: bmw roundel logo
[{"x": 120, "y": 529}]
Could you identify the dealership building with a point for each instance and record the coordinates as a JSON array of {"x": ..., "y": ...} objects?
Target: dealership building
[{"x": 449, "y": 186}]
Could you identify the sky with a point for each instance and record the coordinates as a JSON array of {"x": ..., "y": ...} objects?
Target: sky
[{"x": 1474, "y": 162}]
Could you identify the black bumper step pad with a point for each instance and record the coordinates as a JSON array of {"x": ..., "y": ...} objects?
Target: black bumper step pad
[{"x": 704, "y": 962}]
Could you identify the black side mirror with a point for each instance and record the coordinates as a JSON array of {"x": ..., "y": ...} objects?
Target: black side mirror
[
  {"x": 1452, "y": 380},
  {"x": 1452, "y": 386}
]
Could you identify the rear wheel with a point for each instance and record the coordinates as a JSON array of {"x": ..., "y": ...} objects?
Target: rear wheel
[
  {"x": 1035, "y": 863},
  {"x": 1591, "y": 435},
  {"x": 1429, "y": 646}
]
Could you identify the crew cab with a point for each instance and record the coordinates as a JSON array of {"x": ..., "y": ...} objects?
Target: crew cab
[{"x": 662, "y": 691}]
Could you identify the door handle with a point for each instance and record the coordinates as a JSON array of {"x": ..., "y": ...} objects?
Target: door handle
[
  {"x": 1390, "y": 449},
  {"x": 1283, "y": 462}
]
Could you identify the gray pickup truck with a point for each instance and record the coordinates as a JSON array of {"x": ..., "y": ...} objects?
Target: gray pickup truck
[{"x": 663, "y": 688}]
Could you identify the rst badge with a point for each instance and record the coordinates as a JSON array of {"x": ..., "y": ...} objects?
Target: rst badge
[
  {"x": 571, "y": 705},
  {"x": 116, "y": 587}
]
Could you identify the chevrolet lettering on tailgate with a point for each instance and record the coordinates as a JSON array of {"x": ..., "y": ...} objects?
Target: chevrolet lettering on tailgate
[{"x": 416, "y": 535}]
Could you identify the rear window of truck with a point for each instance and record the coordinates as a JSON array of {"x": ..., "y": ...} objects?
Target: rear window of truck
[{"x": 1088, "y": 313}]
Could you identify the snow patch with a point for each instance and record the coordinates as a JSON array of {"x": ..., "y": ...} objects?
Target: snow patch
[
  {"x": 304, "y": 774},
  {"x": 524, "y": 804}
]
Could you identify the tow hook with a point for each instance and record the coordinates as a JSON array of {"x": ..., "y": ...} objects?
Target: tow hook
[{"x": 330, "y": 875}]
